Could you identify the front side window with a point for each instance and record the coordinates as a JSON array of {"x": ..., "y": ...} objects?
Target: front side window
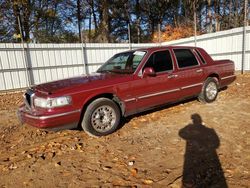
[
  {"x": 185, "y": 58},
  {"x": 160, "y": 61},
  {"x": 123, "y": 63}
]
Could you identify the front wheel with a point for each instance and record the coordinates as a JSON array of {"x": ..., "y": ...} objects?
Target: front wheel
[
  {"x": 102, "y": 117},
  {"x": 209, "y": 90}
]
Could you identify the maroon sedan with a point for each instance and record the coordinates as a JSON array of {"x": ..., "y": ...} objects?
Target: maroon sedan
[{"x": 128, "y": 83}]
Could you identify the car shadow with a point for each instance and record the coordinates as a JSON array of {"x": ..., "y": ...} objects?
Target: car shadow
[{"x": 202, "y": 167}]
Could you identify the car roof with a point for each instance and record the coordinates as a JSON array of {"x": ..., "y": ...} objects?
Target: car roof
[{"x": 155, "y": 48}]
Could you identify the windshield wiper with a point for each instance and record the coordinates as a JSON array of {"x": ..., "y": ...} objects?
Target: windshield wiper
[
  {"x": 103, "y": 71},
  {"x": 115, "y": 71}
]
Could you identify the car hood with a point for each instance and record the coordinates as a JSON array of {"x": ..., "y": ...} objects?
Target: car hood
[{"x": 86, "y": 82}]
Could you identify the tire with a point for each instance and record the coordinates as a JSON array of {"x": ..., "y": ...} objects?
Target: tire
[
  {"x": 102, "y": 117},
  {"x": 209, "y": 90}
]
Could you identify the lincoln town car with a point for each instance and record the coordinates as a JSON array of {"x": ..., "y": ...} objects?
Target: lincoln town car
[{"x": 128, "y": 83}]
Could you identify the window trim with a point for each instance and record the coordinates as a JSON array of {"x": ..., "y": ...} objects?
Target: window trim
[
  {"x": 183, "y": 68},
  {"x": 146, "y": 52},
  {"x": 137, "y": 68},
  {"x": 196, "y": 51},
  {"x": 160, "y": 50}
]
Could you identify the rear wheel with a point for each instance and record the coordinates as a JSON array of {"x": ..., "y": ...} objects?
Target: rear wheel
[
  {"x": 209, "y": 90},
  {"x": 102, "y": 117}
]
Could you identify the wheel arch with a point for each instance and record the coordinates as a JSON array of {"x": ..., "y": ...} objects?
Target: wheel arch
[
  {"x": 214, "y": 75},
  {"x": 110, "y": 96}
]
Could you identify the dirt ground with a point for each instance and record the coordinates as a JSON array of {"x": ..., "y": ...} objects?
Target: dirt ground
[{"x": 190, "y": 144}]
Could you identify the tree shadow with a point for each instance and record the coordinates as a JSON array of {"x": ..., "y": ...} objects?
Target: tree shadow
[{"x": 202, "y": 166}]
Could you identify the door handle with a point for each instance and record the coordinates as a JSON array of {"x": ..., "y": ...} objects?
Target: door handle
[
  {"x": 199, "y": 70},
  {"x": 173, "y": 76}
]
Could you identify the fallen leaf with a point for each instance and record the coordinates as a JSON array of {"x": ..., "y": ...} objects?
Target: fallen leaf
[
  {"x": 106, "y": 167},
  {"x": 134, "y": 171},
  {"x": 13, "y": 166},
  {"x": 148, "y": 181},
  {"x": 29, "y": 156},
  {"x": 58, "y": 164}
]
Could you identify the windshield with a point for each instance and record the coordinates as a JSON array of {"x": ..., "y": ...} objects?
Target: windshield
[{"x": 123, "y": 63}]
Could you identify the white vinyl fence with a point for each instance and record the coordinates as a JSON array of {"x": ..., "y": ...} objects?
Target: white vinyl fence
[
  {"x": 222, "y": 45},
  {"x": 28, "y": 64}
]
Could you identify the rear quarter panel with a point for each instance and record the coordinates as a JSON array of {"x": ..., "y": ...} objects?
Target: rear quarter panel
[{"x": 223, "y": 68}]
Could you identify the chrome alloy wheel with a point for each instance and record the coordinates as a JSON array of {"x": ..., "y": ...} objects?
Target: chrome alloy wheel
[
  {"x": 103, "y": 118},
  {"x": 211, "y": 90}
]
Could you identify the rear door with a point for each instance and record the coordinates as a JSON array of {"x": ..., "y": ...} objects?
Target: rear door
[{"x": 190, "y": 73}]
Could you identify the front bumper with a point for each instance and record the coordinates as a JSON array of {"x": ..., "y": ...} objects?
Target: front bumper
[{"x": 55, "y": 121}]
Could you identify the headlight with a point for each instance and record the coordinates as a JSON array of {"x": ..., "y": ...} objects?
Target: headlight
[{"x": 52, "y": 102}]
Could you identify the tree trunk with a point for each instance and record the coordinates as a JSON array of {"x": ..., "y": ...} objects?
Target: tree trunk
[
  {"x": 92, "y": 5},
  {"x": 52, "y": 31},
  {"x": 216, "y": 15},
  {"x": 210, "y": 27},
  {"x": 103, "y": 30},
  {"x": 79, "y": 20},
  {"x": 230, "y": 13},
  {"x": 152, "y": 27},
  {"x": 90, "y": 19},
  {"x": 36, "y": 23},
  {"x": 16, "y": 12},
  {"x": 138, "y": 21},
  {"x": 26, "y": 19},
  {"x": 236, "y": 14},
  {"x": 105, "y": 21}
]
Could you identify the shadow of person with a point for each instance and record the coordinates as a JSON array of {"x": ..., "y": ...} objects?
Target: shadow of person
[{"x": 202, "y": 167}]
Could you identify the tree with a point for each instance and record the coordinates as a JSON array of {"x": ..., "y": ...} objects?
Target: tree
[
  {"x": 108, "y": 20},
  {"x": 174, "y": 33}
]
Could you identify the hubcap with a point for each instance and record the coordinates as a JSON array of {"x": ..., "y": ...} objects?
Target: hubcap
[
  {"x": 103, "y": 118},
  {"x": 211, "y": 90}
]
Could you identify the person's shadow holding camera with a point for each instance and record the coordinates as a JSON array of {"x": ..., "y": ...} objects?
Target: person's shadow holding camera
[{"x": 202, "y": 167}]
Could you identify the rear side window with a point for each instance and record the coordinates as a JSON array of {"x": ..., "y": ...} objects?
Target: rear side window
[
  {"x": 185, "y": 58},
  {"x": 200, "y": 56},
  {"x": 161, "y": 61}
]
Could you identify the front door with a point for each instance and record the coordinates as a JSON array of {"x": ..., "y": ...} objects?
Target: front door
[{"x": 155, "y": 90}]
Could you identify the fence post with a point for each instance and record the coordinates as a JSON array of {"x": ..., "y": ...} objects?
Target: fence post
[
  {"x": 25, "y": 58},
  {"x": 84, "y": 55},
  {"x": 85, "y": 59},
  {"x": 244, "y": 39}
]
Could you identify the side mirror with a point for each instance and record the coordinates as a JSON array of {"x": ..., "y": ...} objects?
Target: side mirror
[{"x": 148, "y": 71}]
